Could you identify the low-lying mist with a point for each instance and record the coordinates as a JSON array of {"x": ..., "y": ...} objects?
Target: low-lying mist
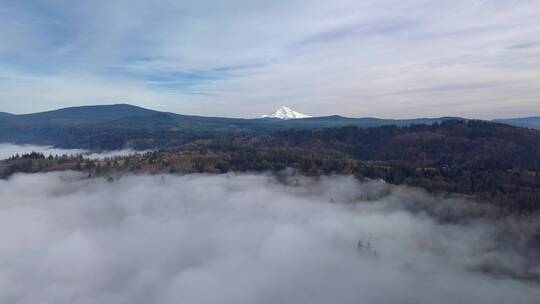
[
  {"x": 255, "y": 239},
  {"x": 7, "y": 150}
]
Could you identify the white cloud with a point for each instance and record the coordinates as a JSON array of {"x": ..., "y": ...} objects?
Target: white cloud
[{"x": 246, "y": 239}]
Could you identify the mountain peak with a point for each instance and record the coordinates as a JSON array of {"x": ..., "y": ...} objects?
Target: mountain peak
[{"x": 286, "y": 113}]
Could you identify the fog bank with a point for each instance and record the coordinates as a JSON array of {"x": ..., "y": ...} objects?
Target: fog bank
[
  {"x": 7, "y": 150},
  {"x": 251, "y": 239}
]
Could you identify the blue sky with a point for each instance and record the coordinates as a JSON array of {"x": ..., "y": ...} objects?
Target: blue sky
[{"x": 239, "y": 58}]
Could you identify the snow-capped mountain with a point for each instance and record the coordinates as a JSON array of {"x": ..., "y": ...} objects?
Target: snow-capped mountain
[{"x": 286, "y": 113}]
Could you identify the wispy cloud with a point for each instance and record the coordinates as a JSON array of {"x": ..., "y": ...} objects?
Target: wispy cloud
[
  {"x": 526, "y": 45},
  {"x": 360, "y": 31},
  {"x": 449, "y": 88}
]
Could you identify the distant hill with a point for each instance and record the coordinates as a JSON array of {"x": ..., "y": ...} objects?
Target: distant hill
[
  {"x": 526, "y": 122},
  {"x": 133, "y": 117},
  {"x": 79, "y": 115},
  {"x": 4, "y": 114},
  {"x": 366, "y": 122},
  {"x": 119, "y": 125}
]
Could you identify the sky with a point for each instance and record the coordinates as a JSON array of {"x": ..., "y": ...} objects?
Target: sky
[{"x": 238, "y": 58}]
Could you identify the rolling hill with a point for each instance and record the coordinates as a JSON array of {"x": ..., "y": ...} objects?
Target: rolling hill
[
  {"x": 76, "y": 115},
  {"x": 526, "y": 122},
  {"x": 120, "y": 125},
  {"x": 133, "y": 117},
  {"x": 490, "y": 162}
]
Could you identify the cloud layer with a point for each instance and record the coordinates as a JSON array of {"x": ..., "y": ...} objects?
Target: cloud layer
[
  {"x": 245, "y": 239},
  {"x": 245, "y": 58}
]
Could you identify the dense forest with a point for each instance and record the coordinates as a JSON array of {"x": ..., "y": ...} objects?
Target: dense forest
[{"x": 490, "y": 162}]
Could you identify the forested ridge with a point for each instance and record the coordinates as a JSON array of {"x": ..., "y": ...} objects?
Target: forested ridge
[{"x": 480, "y": 160}]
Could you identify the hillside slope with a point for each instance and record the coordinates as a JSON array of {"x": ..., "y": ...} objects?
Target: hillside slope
[
  {"x": 76, "y": 115},
  {"x": 494, "y": 163}
]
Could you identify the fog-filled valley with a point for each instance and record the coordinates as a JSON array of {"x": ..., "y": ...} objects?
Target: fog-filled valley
[
  {"x": 8, "y": 150},
  {"x": 255, "y": 239}
]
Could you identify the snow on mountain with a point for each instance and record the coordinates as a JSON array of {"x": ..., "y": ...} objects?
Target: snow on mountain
[{"x": 286, "y": 113}]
